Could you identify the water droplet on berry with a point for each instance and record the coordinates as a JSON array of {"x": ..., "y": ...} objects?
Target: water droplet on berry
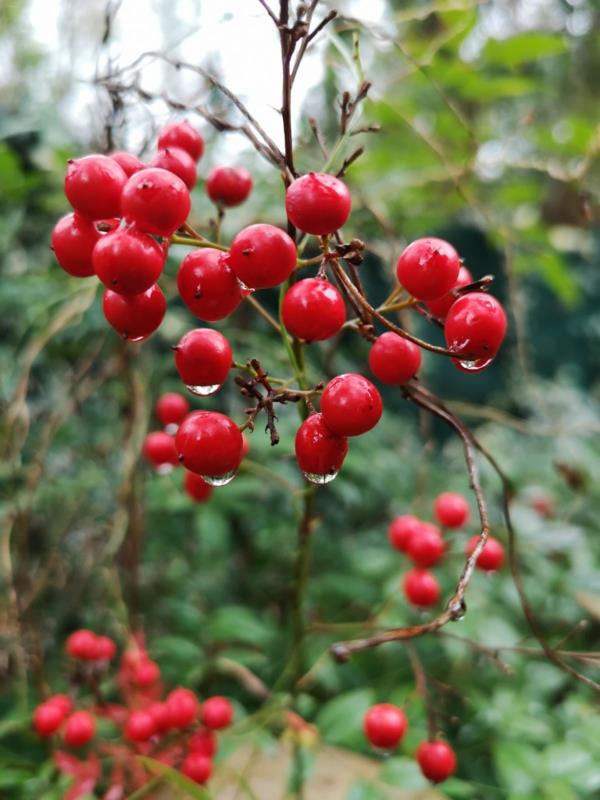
[
  {"x": 171, "y": 428},
  {"x": 245, "y": 291},
  {"x": 164, "y": 469},
  {"x": 220, "y": 480},
  {"x": 320, "y": 479},
  {"x": 135, "y": 338},
  {"x": 476, "y": 365},
  {"x": 204, "y": 391}
]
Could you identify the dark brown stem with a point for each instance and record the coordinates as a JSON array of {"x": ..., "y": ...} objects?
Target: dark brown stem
[{"x": 423, "y": 690}]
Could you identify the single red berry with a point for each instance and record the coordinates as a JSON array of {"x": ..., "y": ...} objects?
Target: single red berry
[
  {"x": 441, "y": 305},
  {"x": 437, "y": 760},
  {"x": 245, "y": 445},
  {"x": 63, "y": 701},
  {"x": 203, "y": 359},
  {"x": 426, "y": 547},
  {"x": 135, "y": 317},
  {"x": 318, "y": 203},
  {"x": 451, "y": 509},
  {"x": 128, "y": 162},
  {"x": 196, "y": 487},
  {"x": 93, "y": 186},
  {"x": 319, "y": 452},
  {"x": 228, "y": 186},
  {"x": 181, "y": 134},
  {"x": 216, "y": 713},
  {"x": 82, "y": 644},
  {"x": 262, "y": 256},
  {"x": 128, "y": 261},
  {"x": 171, "y": 408},
  {"x": 79, "y": 729},
  {"x": 161, "y": 715},
  {"x": 491, "y": 557},
  {"x": 402, "y": 529},
  {"x": 156, "y": 200},
  {"x": 421, "y": 588},
  {"x": 147, "y": 673},
  {"x": 385, "y": 725},
  {"x": 351, "y": 405},
  {"x": 475, "y": 326},
  {"x": 393, "y": 359},
  {"x": 210, "y": 444},
  {"x": 179, "y": 162},
  {"x": 47, "y": 718},
  {"x": 159, "y": 450},
  {"x": 204, "y": 742},
  {"x": 313, "y": 310},
  {"x": 197, "y": 767},
  {"x": 428, "y": 268},
  {"x": 140, "y": 726},
  {"x": 207, "y": 285},
  {"x": 183, "y": 707},
  {"x": 73, "y": 241},
  {"x": 105, "y": 648}
]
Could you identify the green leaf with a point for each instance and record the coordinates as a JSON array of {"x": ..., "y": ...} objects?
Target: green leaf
[
  {"x": 522, "y": 48},
  {"x": 176, "y": 779},
  {"x": 340, "y": 720},
  {"x": 240, "y": 624}
]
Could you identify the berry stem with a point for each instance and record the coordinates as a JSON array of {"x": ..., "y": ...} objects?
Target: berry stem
[{"x": 193, "y": 242}]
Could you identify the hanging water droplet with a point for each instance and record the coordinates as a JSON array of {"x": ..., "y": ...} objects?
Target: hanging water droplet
[
  {"x": 475, "y": 365},
  {"x": 171, "y": 428},
  {"x": 458, "y": 610},
  {"x": 164, "y": 469},
  {"x": 320, "y": 478},
  {"x": 135, "y": 338},
  {"x": 204, "y": 391},
  {"x": 220, "y": 480},
  {"x": 245, "y": 291}
]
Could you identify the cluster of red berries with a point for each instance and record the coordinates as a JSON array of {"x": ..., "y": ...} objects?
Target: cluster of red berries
[
  {"x": 424, "y": 544},
  {"x": 385, "y": 726}
]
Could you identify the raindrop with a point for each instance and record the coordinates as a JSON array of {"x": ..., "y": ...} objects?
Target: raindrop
[
  {"x": 458, "y": 611},
  {"x": 135, "y": 338},
  {"x": 171, "y": 428},
  {"x": 321, "y": 478},
  {"x": 220, "y": 480},
  {"x": 204, "y": 391},
  {"x": 477, "y": 365},
  {"x": 164, "y": 469}
]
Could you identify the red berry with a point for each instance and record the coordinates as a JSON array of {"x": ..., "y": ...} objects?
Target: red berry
[
  {"x": 161, "y": 715},
  {"x": 203, "y": 359},
  {"x": 197, "y": 767},
  {"x": 73, "y": 241},
  {"x": 204, "y": 742},
  {"x": 128, "y": 261},
  {"x": 437, "y": 760},
  {"x": 210, "y": 444},
  {"x": 156, "y": 200},
  {"x": 63, "y": 701},
  {"x": 441, "y": 305},
  {"x": 318, "y": 203},
  {"x": 492, "y": 555},
  {"x": 402, "y": 529},
  {"x": 426, "y": 547},
  {"x": 140, "y": 726},
  {"x": 128, "y": 162},
  {"x": 428, "y": 268},
  {"x": 171, "y": 408},
  {"x": 245, "y": 446},
  {"x": 196, "y": 487},
  {"x": 385, "y": 725},
  {"x": 93, "y": 186},
  {"x": 216, "y": 713},
  {"x": 393, "y": 359},
  {"x": 79, "y": 729},
  {"x": 451, "y": 509},
  {"x": 105, "y": 648},
  {"x": 159, "y": 450},
  {"x": 228, "y": 186},
  {"x": 47, "y": 718},
  {"x": 319, "y": 452},
  {"x": 475, "y": 326},
  {"x": 262, "y": 256},
  {"x": 313, "y": 310},
  {"x": 181, "y": 134},
  {"x": 179, "y": 162},
  {"x": 82, "y": 644},
  {"x": 421, "y": 588},
  {"x": 135, "y": 317},
  {"x": 147, "y": 673},
  {"x": 183, "y": 707},
  {"x": 351, "y": 405},
  {"x": 207, "y": 285}
]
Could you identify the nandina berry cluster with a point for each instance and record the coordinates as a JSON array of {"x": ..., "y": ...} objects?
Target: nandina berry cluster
[
  {"x": 385, "y": 725},
  {"x": 175, "y": 727}
]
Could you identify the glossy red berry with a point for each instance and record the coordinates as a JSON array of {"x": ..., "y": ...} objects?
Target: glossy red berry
[
  {"x": 210, "y": 444},
  {"x": 441, "y": 305},
  {"x": 135, "y": 317},
  {"x": 421, "y": 588},
  {"x": 475, "y": 327},
  {"x": 204, "y": 742},
  {"x": 140, "y": 726},
  {"x": 171, "y": 408},
  {"x": 156, "y": 200},
  {"x": 197, "y": 767},
  {"x": 106, "y": 649},
  {"x": 228, "y": 186},
  {"x": 159, "y": 450},
  {"x": 491, "y": 557},
  {"x": 147, "y": 673},
  {"x": 183, "y": 707},
  {"x": 179, "y": 162},
  {"x": 80, "y": 728},
  {"x": 319, "y": 452},
  {"x": 63, "y": 701},
  {"x": 393, "y": 359},
  {"x": 402, "y": 529},
  {"x": 451, "y": 510},
  {"x": 47, "y": 718},
  {"x": 161, "y": 716},
  {"x": 196, "y": 487},
  {"x": 94, "y": 185},
  {"x": 128, "y": 261},
  {"x": 318, "y": 203},
  {"x": 216, "y": 713},
  {"x": 385, "y": 725},
  {"x": 207, "y": 285},
  {"x": 128, "y": 162},
  {"x": 262, "y": 256},
  {"x": 73, "y": 241},
  {"x": 426, "y": 547},
  {"x": 428, "y": 268},
  {"x": 82, "y": 644},
  {"x": 203, "y": 359},
  {"x": 313, "y": 310},
  {"x": 437, "y": 760},
  {"x": 351, "y": 405},
  {"x": 182, "y": 134}
]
